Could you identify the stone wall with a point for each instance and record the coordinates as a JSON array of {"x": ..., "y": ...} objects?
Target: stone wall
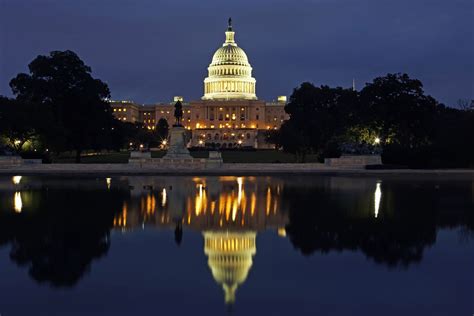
[
  {"x": 9, "y": 161},
  {"x": 353, "y": 161}
]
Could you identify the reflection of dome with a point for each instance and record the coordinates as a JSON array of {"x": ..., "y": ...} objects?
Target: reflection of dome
[
  {"x": 230, "y": 74},
  {"x": 229, "y": 258}
]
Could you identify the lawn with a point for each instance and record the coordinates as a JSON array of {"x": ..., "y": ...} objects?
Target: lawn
[{"x": 257, "y": 156}]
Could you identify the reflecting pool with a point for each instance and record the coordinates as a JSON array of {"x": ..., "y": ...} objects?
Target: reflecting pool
[{"x": 280, "y": 245}]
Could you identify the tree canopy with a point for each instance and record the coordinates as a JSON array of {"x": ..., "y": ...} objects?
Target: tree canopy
[
  {"x": 392, "y": 112},
  {"x": 71, "y": 103}
]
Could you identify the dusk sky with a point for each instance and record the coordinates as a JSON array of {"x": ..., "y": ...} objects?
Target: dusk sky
[{"x": 150, "y": 50}]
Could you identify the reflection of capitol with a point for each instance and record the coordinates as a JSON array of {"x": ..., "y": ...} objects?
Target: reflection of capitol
[
  {"x": 229, "y": 211},
  {"x": 230, "y": 258}
]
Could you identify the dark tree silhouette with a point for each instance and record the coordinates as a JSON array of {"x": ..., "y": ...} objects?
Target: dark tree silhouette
[
  {"x": 17, "y": 124},
  {"x": 321, "y": 222},
  {"x": 60, "y": 239},
  {"x": 72, "y": 103},
  {"x": 162, "y": 128}
]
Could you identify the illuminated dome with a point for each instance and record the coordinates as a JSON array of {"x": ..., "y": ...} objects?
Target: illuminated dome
[
  {"x": 229, "y": 258},
  {"x": 230, "y": 74}
]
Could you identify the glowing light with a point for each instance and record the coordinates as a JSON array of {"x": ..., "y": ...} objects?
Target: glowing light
[
  {"x": 282, "y": 232},
  {"x": 239, "y": 142},
  {"x": 378, "y": 198},
  {"x": 16, "y": 179},
  {"x": 200, "y": 142},
  {"x": 17, "y": 142},
  {"x": 164, "y": 142},
  {"x": 17, "y": 202},
  {"x": 240, "y": 181},
  {"x": 131, "y": 144},
  {"x": 141, "y": 145},
  {"x": 163, "y": 197},
  {"x": 377, "y": 140},
  {"x": 269, "y": 201},
  {"x": 109, "y": 182}
]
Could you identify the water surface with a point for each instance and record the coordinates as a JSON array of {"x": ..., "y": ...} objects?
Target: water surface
[{"x": 312, "y": 245}]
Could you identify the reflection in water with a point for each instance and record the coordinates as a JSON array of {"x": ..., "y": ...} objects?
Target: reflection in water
[
  {"x": 17, "y": 202},
  {"x": 108, "y": 181},
  {"x": 377, "y": 198},
  {"x": 229, "y": 258},
  {"x": 64, "y": 224},
  {"x": 219, "y": 208},
  {"x": 163, "y": 197}
]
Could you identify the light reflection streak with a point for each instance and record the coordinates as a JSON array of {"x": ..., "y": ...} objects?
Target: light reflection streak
[
  {"x": 163, "y": 197},
  {"x": 17, "y": 202},
  {"x": 378, "y": 198}
]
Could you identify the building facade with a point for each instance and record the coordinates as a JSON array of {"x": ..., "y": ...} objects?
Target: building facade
[{"x": 229, "y": 115}]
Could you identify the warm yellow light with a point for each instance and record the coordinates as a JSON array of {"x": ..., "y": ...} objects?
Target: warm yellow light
[
  {"x": 109, "y": 182},
  {"x": 16, "y": 179},
  {"x": 198, "y": 125},
  {"x": 282, "y": 232},
  {"x": 200, "y": 142},
  {"x": 141, "y": 145},
  {"x": 240, "y": 142},
  {"x": 377, "y": 140},
  {"x": 164, "y": 142},
  {"x": 17, "y": 202}
]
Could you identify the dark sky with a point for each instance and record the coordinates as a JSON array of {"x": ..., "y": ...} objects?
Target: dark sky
[{"x": 150, "y": 50}]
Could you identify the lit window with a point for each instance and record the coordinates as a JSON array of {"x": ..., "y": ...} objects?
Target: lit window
[{"x": 125, "y": 110}]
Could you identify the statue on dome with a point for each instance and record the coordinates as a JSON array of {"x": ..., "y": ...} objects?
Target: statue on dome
[
  {"x": 178, "y": 113},
  {"x": 229, "y": 24}
]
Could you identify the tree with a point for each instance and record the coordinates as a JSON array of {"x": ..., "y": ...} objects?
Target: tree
[
  {"x": 319, "y": 117},
  {"x": 73, "y": 104},
  {"x": 162, "y": 128},
  {"x": 396, "y": 109},
  {"x": 17, "y": 124},
  {"x": 178, "y": 112}
]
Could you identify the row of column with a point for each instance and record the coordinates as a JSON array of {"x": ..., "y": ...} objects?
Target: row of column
[{"x": 229, "y": 86}]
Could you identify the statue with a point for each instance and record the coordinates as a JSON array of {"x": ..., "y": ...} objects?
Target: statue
[{"x": 178, "y": 113}]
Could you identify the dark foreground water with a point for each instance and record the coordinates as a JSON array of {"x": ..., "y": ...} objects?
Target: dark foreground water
[{"x": 245, "y": 245}]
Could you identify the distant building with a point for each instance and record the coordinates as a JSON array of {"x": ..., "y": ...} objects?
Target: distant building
[{"x": 228, "y": 115}]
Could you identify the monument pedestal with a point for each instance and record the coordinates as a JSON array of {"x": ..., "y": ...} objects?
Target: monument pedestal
[{"x": 177, "y": 144}]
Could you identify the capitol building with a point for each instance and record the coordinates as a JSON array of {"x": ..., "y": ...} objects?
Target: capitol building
[{"x": 229, "y": 114}]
